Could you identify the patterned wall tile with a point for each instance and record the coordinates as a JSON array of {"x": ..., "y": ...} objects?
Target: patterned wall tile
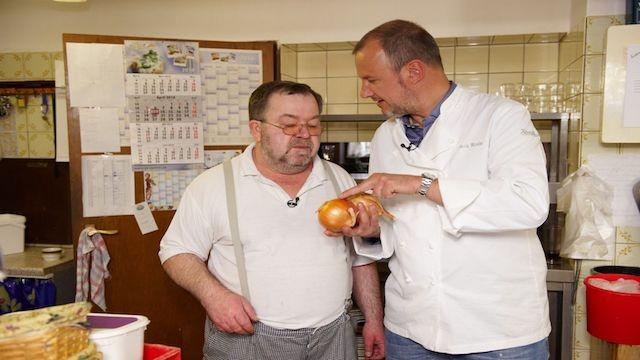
[
  {"x": 582, "y": 337},
  {"x": 37, "y": 122},
  {"x": 628, "y": 234},
  {"x": 596, "y": 32},
  {"x": 11, "y": 66},
  {"x": 22, "y": 145},
  {"x": 581, "y": 355},
  {"x": 592, "y": 112},
  {"x": 573, "y": 162},
  {"x": 593, "y": 73},
  {"x": 59, "y": 55},
  {"x": 38, "y": 66},
  {"x": 628, "y": 254},
  {"x": 8, "y": 145},
  {"x": 20, "y": 116},
  {"x": 41, "y": 145},
  {"x": 590, "y": 144}
]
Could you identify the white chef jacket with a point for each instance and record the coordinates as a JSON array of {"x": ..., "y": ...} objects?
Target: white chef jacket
[
  {"x": 298, "y": 277},
  {"x": 469, "y": 276}
]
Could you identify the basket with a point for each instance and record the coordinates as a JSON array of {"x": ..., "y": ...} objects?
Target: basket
[{"x": 55, "y": 332}]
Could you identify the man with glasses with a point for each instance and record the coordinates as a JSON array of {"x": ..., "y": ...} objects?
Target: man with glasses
[
  {"x": 464, "y": 174},
  {"x": 299, "y": 279}
]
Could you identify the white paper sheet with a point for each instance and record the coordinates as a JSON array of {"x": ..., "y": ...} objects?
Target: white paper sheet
[
  {"x": 99, "y": 130},
  {"x": 228, "y": 77},
  {"x": 621, "y": 172},
  {"x": 62, "y": 135},
  {"x": 96, "y": 75},
  {"x": 631, "y": 110},
  {"x": 107, "y": 185},
  {"x": 144, "y": 218},
  {"x": 167, "y": 143},
  {"x": 59, "y": 74}
]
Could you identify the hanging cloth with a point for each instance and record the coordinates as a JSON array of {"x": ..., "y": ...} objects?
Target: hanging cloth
[{"x": 91, "y": 249}]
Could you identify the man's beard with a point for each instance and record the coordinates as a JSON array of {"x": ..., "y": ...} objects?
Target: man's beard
[
  {"x": 286, "y": 163},
  {"x": 407, "y": 107}
]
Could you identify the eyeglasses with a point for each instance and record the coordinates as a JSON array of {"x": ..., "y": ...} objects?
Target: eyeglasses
[{"x": 313, "y": 130}]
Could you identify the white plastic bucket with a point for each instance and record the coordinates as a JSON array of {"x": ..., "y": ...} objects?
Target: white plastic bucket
[
  {"x": 12, "y": 233},
  {"x": 118, "y": 336}
]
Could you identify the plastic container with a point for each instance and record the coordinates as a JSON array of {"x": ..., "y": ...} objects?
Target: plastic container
[
  {"x": 161, "y": 352},
  {"x": 616, "y": 269},
  {"x": 118, "y": 336},
  {"x": 613, "y": 316},
  {"x": 12, "y": 233}
]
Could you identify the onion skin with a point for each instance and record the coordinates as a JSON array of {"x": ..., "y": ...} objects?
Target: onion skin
[
  {"x": 367, "y": 200},
  {"x": 336, "y": 214}
]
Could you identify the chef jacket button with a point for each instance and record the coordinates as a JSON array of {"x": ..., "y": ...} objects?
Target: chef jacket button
[
  {"x": 407, "y": 278},
  {"x": 402, "y": 244},
  {"x": 452, "y": 141},
  {"x": 430, "y": 245}
]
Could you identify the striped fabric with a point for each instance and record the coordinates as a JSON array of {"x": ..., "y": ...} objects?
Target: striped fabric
[
  {"x": 95, "y": 249},
  {"x": 334, "y": 341}
]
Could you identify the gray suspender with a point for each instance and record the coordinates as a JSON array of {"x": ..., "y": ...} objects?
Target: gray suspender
[
  {"x": 332, "y": 177},
  {"x": 232, "y": 211}
]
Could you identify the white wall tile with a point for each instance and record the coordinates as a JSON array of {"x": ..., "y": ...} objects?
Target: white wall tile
[
  {"x": 312, "y": 64},
  {"x": 340, "y": 64}
]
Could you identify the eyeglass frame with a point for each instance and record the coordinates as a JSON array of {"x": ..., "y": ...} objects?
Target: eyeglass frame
[{"x": 297, "y": 125}]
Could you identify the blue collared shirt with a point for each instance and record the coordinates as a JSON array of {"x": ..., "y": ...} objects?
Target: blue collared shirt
[{"x": 415, "y": 133}]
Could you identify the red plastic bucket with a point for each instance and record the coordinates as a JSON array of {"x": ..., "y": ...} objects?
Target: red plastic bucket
[
  {"x": 161, "y": 352},
  {"x": 613, "y": 316}
]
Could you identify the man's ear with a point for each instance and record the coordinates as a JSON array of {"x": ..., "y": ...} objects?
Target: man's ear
[
  {"x": 414, "y": 71},
  {"x": 255, "y": 127}
]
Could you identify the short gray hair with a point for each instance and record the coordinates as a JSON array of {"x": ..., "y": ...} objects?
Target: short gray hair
[{"x": 403, "y": 41}]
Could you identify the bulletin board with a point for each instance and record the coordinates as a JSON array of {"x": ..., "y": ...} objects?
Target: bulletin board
[
  {"x": 138, "y": 284},
  {"x": 619, "y": 38}
]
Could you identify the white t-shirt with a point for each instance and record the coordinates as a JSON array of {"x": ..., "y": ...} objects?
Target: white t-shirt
[{"x": 298, "y": 277}]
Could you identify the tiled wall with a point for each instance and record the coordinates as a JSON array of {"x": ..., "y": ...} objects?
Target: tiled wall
[
  {"x": 26, "y": 132},
  {"x": 481, "y": 63},
  {"x": 582, "y": 58}
]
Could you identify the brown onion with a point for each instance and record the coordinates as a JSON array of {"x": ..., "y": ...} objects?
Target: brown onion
[
  {"x": 367, "y": 200},
  {"x": 336, "y": 214}
]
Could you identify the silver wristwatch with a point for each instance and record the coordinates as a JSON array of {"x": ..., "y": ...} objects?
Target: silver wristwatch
[{"x": 427, "y": 180}]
